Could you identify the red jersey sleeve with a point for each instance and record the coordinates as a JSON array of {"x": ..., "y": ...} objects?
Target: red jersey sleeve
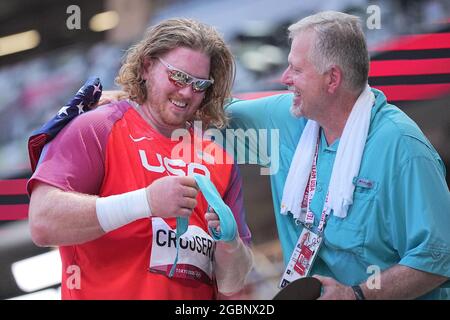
[{"x": 234, "y": 199}]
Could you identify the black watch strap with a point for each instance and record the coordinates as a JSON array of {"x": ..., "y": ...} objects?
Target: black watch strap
[{"x": 358, "y": 293}]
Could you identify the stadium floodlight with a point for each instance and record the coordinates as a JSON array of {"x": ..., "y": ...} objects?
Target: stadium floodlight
[
  {"x": 104, "y": 21},
  {"x": 19, "y": 42},
  {"x": 38, "y": 272}
]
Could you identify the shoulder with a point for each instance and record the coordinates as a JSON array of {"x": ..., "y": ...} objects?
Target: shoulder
[
  {"x": 101, "y": 118},
  {"x": 74, "y": 159},
  {"x": 393, "y": 130},
  {"x": 89, "y": 130}
]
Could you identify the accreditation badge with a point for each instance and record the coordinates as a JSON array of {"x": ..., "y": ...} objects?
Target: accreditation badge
[{"x": 302, "y": 258}]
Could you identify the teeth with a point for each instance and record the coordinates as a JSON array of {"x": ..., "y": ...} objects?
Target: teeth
[
  {"x": 290, "y": 88},
  {"x": 178, "y": 103}
]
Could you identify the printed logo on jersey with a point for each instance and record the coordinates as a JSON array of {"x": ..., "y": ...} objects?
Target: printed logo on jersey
[
  {"x": 176, "y": 167},
  {"x": 140, "y": 138}
]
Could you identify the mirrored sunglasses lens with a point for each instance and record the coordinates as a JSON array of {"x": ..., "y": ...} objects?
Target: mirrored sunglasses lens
[
  {"x": 201, "y": 85},
  {"x": 180, "y": 78}
]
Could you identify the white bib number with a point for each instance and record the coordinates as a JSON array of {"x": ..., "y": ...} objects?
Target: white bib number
[{"x": 196, "y": 252}]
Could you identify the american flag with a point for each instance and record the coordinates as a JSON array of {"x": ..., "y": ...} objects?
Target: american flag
[{"x": 83, "y": 101}]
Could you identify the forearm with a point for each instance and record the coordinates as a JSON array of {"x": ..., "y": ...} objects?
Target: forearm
[
  {"x": 61, "y": 218},
  {"x": 401, "y": 282},
  {"x": 233, "y": 262}
]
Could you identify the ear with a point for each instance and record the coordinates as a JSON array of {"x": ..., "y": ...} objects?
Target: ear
[
  {"x": 334, "y": 79},
  {"x": 146, "y": 68}
]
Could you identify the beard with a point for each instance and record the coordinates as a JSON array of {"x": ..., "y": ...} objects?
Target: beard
[
  {"x": 157, "y": 105},
  {"x": 296, "y": 111}
]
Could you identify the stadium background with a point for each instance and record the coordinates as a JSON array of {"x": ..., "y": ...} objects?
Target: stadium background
[{"x": 43, "y": 63}]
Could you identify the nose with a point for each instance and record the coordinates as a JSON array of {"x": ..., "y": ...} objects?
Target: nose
[
  {"x": 186, "y": 91},
  {"x": 286, "y": 78}
]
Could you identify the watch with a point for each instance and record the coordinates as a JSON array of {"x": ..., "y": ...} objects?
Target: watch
[{"x": 358, "y": 293}]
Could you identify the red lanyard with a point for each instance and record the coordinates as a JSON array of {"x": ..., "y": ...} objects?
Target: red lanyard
[{"x": 310, "y": 190}]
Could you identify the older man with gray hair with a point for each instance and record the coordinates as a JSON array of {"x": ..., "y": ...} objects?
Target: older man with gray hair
[{"x": 360, "y": 198}]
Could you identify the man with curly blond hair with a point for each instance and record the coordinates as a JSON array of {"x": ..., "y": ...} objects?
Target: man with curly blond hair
[{"x": 108, "y": 191}]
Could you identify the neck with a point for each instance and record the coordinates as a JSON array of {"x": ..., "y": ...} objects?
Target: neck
[
  {"x": 333, "y": 122},
  {"x": 331, "y": 136}
]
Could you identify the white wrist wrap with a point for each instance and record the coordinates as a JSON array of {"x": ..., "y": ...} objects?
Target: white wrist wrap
[
  {"x": 116, "y": 211},
  {"x": 234, "y": 261}
]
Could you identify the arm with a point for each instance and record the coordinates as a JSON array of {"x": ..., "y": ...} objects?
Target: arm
[
  {"x": 60, "y": 217},
  {"x": 419, "y": 223},
  {"x": 64, "y": 209},
  {"x": 70, "y": 169},
  {"x": 252, "y": 114},
  {"x": 397, "y": 282},
  {"x": 250, "y": 133},
  {"x": 402, "y": 282},
  {"x": 233, "y": 261}
]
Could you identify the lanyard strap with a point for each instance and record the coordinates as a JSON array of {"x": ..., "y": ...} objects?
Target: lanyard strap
[
  {"x": 182, "y": 226},
  {"x": 228, "y": 227},
  {"x": 308, "y": 218}
]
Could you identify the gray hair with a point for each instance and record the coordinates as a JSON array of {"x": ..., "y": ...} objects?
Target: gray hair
[{"x": 339, "y": 41}]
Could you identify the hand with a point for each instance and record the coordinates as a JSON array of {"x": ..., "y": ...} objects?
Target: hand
[
  {"x": 214, "y": 224},
  {"x": 333, "y": 290},
  {"x": 110, "y": 96},
  {"x": 172, "y": 196},
  {"x": 213, "y": 221}
]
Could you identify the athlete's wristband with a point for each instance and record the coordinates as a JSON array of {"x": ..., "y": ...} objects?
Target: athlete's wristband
[{"x": 116, "y": 211}]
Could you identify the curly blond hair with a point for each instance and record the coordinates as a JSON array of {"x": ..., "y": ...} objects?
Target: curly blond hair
[{"x": 171, "y": 34}]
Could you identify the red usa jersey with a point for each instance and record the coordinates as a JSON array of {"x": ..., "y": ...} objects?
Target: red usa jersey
[{"x": 113, "y": 150}]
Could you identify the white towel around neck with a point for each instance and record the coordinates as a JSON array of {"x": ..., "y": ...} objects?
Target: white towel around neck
[{"x": 346, "y": 164}]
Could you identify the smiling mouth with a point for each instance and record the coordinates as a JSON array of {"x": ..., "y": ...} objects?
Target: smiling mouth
[
  {"x": 179, "y": 104},
  {"x": 294, "y": 91}
]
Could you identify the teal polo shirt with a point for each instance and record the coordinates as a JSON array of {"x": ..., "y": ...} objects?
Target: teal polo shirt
[{"x": 401, "y": 204}]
